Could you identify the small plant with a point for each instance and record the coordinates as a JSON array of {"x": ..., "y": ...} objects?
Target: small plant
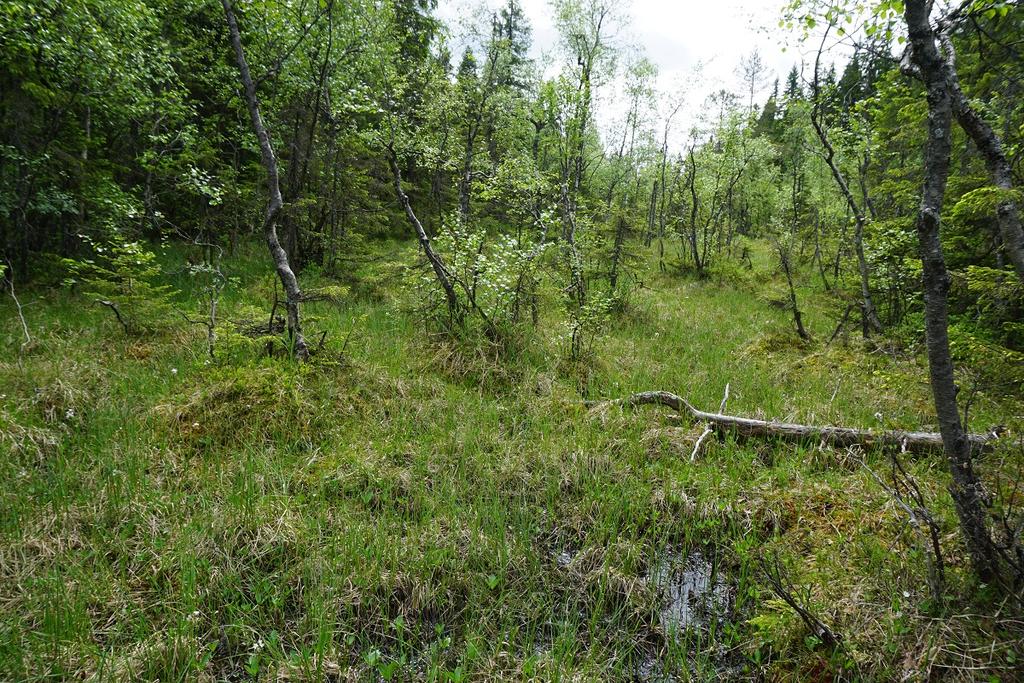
[
  {"x": 212, "y": 281},
  {"x": 123, "y": 277},
  {"x": 585, "y": 326},
  {"x": 495, "y": 279}
]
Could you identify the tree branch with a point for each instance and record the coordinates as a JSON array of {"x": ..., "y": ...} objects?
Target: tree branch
[{"x": 918, "y": 442}]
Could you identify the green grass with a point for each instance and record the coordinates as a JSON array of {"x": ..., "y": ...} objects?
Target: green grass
[{"x": 412, "y": 509}]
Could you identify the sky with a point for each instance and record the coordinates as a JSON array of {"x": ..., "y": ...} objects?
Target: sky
[{"x": 696, "y": 45}]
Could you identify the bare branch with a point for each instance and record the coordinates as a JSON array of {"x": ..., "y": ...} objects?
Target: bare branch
[
  {"x": 21, "y": 312},
  {"x": 918, "y": 442}
]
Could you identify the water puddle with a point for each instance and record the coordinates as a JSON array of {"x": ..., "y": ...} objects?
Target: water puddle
[
  {"x": 694, "y": 594},
  {"x": 650, "y": 670},
  {"x": 695, "y": 597}
]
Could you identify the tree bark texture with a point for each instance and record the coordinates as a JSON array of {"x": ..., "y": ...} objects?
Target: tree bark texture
[{"x": 966, "y": 488}]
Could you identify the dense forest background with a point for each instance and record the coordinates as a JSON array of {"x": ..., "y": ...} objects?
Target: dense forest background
[
  {"x": 124, "y": 129},
  {"x": 462, "y": 213}
]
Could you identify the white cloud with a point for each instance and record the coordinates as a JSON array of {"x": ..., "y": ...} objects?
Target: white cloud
[{"x": 696, "y": 44}]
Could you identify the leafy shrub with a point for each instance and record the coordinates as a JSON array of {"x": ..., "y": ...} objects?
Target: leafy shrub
[
  {"x": 123, "y": 277},
  {"x": 994, "y": 300},
  {"x": 998, "y": 366},
  {"x": 891, "y": 249},
  {"x": 495, "y": 279}
]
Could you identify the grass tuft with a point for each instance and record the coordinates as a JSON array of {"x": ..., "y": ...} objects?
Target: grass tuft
[{"x": 408, "y": 508}]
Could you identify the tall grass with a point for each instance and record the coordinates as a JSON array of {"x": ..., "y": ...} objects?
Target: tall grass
[{"x": 413, "y": 510}]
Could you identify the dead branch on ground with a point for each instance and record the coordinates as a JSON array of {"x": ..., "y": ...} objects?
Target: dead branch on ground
[{"x": 842, "y": 437}]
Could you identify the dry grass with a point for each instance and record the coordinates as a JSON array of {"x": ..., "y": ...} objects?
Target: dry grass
[{"x": 434, "y": 510}]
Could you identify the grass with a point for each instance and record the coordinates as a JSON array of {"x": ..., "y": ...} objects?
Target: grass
[{"x": 412, "y": 510}]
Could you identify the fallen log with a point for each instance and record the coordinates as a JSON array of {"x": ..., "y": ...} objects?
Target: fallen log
[{"x": 914, "y": 442}]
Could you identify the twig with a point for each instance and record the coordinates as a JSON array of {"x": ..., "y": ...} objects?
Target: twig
[
  {"x": 839, "y": 383},
  {"x": 784, "y": 589},
  {"x": 841, "y": 325},
  {"x": 210, "y": 325},
  {"x": 273, "y": 311},
  {"x": 700, "y": 441},
  {"x": 707, "y": 426},
  {"x": 21, "y": 313},
  {"x": 918, "y": 516},
  {"x": 344, "y": 344},
  {"x": 117, "y": 312}
]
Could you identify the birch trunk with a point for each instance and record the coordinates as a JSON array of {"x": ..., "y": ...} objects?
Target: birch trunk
[
  {"x": 991, "y": 148},
  {"x": 966, "y": 488},
  {"x": 274, "y": 200}
]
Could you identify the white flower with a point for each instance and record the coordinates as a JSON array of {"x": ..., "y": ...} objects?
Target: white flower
[
  {"x": 174, "y": 371},
  {"x": 69, "y": 414}
]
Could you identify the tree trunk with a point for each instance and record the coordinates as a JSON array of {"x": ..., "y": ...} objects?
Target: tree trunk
[
  {"x": 649, "y": 236},
  {"x": 991, "y": 148},
  {"x": 274, "y": 201},
  {"x": 839, "y": 437},
  {"x": 620, "y": 239},
  {"x": 440, "y": 270},
  {"x": 798, "y": 317},
  {"x": 694, "y": 207},
  {"x": 538, "y": 126},
  {"x": 466, "y": 178},
  {"x": 966, "y": 488},
  {"x": 869, "y": 316}
]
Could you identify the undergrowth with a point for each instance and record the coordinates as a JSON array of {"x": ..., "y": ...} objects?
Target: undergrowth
[{"x": 407, "y": 507}]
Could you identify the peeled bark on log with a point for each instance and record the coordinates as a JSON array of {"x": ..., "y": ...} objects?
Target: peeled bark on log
[{"x": 916, "y": 442}]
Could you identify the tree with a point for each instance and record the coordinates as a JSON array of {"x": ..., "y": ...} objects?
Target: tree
[
  {"x": 293, "y": 296},
  {"x": 927, "y": 64},
  {"x": 623, "y": 190},
  {"x": 662, "y": 193},
  {"x": 473, "y": 98},
  {"x": 584, "y": 26},
  {"x": 714, "y": 179},
  {"x": 753, "y": 72},
  {"x": 991, "y": 148},
  {"x": 869, "y": 317},
  {"x": 794, "y": 90},
  {"x": 77, "y": 81},
  {"x": 766, "y": 122},
  {"x": 512, "y": 29}
]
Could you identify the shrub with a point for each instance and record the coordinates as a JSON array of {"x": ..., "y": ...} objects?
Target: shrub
[
  {"x": 495, "y": 279},
  {"x": 123, "y": 276}
]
